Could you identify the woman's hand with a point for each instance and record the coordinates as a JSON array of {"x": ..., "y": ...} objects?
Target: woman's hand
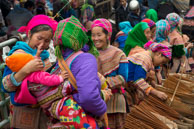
[
  {"x": 32, "y": 66},
  {"x": 39, "y": 50},
  {"x": 162, "y": 95},
  {"x": 107, "y": 93},
  {"x": 64, "y": 75},
  {"x": 159, "y": 94},
  {"x": 189, "y": 46}
]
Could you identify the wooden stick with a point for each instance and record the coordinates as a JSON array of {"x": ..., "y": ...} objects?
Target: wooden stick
[
  {"x": 64, "y": 67},
  {"x": 177, "y": 85}
]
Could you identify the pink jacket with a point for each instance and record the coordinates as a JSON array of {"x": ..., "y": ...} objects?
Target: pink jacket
[{"x": 24, "y": 96}]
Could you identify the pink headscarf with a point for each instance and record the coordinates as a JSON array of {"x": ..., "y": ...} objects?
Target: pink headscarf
[
  {"x": 150, "y": 22},
  {"x": 39, "y": 20},
  {"x": 158, "y": 47},
  {"x": 104, "y": 23}
]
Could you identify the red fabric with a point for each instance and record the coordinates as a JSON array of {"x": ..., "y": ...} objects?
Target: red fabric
[{"x": 73, "y": 116}]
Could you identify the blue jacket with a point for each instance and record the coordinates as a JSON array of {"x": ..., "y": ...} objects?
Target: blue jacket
[{"x": 134, "y": 18}]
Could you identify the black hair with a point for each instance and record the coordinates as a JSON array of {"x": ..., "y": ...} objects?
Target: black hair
[
  {"x": 39, "y": 28},
  {"x": 163, "y": 55},
  {"x": 29, "y": 4},
  {"x": 152, "y": 27},
  {"x": 40, "y": 10},
  {"x": 105, "y": 31}
]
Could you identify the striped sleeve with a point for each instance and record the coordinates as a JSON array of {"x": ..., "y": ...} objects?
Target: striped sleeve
[
  {"x": 116, "y": 81},
  {"x": 8, "y": 86},
  {"x": 47, "y": 64},
  {"x": 139, "y": 79},
  {"x": 121, "y": 77},
  {"x": 144, "y": 85}
]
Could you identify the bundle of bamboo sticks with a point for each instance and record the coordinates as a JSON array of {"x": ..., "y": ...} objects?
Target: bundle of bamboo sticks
[
  {"x": 143, "y": 114},
  {"x": 133, "y": 123},
  {"x": 162, "y": 108},
  {"x": 154, "y": 113},
  {"x": 183, "y": 97},
  {"x": 168, "y": 112},
  {"x": 178, "y": 104},
  {"x": 171, "y": 83}
]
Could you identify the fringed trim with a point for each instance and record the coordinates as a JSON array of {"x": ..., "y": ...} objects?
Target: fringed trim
[
  {"x": 58, "y": 51},
  {"x": 92, "y": 49}
]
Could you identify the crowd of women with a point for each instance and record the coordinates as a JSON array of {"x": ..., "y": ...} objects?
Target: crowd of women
[{"x": 86, "y": 86}]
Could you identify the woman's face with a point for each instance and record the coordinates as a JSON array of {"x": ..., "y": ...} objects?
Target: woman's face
[
  {"x": 159, "y": 59},
  {"x": 153, "y": 32},
  {"x": 42, "y": 37},
  {"x": 147, "y": 33},
  {"x": 99, "y": 38}
]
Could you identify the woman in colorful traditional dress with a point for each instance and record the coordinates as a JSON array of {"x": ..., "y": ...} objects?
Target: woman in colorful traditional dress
[
  {"x": 154, "y": 74},
  {"x": 162, "y": 32},
  {"x": 140, "y": 35},
  {"x": 141, "y": 63},
  {"x": 136, "y": 39},
  {"x": 177, "y": 42},
  {"x": 87, "y": 12},
  {"x": 152, "y": 26},
  {"x": 121, "y": 36},
  {"x": 69, "y": 41},
  {"x": 39, "y": 30},
  {"x": 113, "y": 65}
]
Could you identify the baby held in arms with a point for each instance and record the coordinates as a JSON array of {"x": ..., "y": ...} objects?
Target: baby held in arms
[{"x": 25, "y": 96}]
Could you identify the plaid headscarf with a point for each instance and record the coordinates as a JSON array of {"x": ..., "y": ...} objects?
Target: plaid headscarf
[
  {"x": 162, "y": 30},
  {"x": 150, "y": 22},
  {"x": 173, "y": 20},
  {"x": 152, "y": 14},
  {"x": 180, "y": 25},
  {"x": 104, "y": 23},
  {"x": 69, "y": 34},
  {"x": 87, "y": 12},
  {"x": 158, "y": 47}
]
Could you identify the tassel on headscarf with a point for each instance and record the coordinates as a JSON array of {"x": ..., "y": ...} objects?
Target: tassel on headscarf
[
  {"x": 58, "y": 51},
  {"x": 92, "y": 49}
]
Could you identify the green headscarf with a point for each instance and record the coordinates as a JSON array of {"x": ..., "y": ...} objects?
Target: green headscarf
[
  {"x": 136, "y": 37},
  {"x": 70, "y": 33},
  {"x": 92, "y": 49},
  {"x": 152, "y": 14}
]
